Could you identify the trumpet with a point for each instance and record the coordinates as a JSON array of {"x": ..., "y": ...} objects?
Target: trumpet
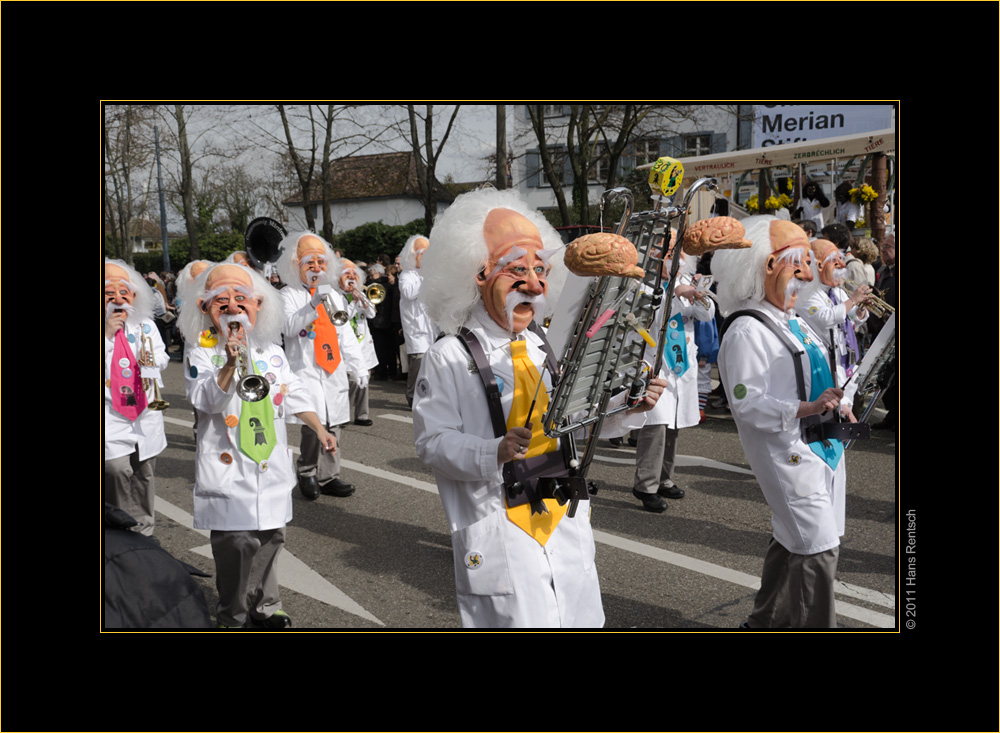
[
  {"x": 878, "y": 307},
  {"x": 375, "y": 293},
  {"x": 146, "y": 359},
  {"x": 337, "y": 316},
  {"x": 371, "y": 297},
  {"x": 250, "y": 386}
]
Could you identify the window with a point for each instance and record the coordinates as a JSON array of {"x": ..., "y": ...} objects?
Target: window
[
  {"x": 697, "y": 144},
  {"x": 645, "y": 151}
]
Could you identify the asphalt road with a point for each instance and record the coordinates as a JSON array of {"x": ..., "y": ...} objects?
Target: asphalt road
[{"x": 381, "y": 559}]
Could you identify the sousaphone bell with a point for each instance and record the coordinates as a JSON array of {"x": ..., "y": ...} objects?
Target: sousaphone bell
[{"x": 261, "y": 241}]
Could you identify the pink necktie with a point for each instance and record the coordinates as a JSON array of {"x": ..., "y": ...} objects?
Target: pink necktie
[{"x": 127, "y": 394}]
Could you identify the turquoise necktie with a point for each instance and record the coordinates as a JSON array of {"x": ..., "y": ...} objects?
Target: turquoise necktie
[{"x": 829, "y": 450}]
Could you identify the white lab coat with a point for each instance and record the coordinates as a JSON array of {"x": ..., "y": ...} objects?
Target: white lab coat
[
  {"x": 231, "y": 491},
  {"x": 826, "y": 319},
  {"x": 121, "y": 435},
  {"x": 678, "y": 405},
  {"x": 418, "y": 328},
  {"x": 329, "y": 392},
  {"x": 806, "y": 496},
  {"x": 359, "y": 317},
  {"x": 503, "y": 577}
]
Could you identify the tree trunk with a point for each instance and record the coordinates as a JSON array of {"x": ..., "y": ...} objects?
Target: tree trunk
[
  {"x": 501, "y": 177},
  {"x": 187, "y": 184},
  {"x": 324, "y": 176},
  {"x": 537, "y": 113},
  {"x": 303, "y": 172},
  {"x": 875, "y": 214}
]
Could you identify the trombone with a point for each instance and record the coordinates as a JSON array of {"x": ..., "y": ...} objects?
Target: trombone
[
  {"x": 878, "y": 307},
  {"x": 146, "y": 359}
]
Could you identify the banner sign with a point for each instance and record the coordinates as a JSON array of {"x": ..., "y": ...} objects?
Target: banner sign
[{"x": 778, "y": 124}]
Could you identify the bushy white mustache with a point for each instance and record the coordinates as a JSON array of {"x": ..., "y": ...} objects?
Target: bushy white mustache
[
  {"x": 226, "y": 318},
  {"x": 794, "y": 287},
  {"x": 515, "y": 298},
  {"x": 112, "y": 307}
]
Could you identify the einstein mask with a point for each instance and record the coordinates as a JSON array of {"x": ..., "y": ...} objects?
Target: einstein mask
[
  {"x": 348, "y": 276},
  {"x": 229, "y": 298},
  {"x": 829, "y": 263},
  {"x": 310, "y": 256},
  {"x": 117, "y": 289},
  {"x": 788, "y": 266},
  {"x": 513, "y": 284},
  {"x": 419, "y": 247}
]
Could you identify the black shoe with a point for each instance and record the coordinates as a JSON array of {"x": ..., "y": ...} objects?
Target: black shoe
[
  {"x": 633, "y": 442},
  {"x": 276, "y": 621},
  {"x": 616, "y": 442},
  {"x": 309, "y": 487},
  {"x": 671, "y": 492},
  {"x": 651, "y": 502},
  {"x": 363, "y": 422},
  {"x": 337, "y": 488}
]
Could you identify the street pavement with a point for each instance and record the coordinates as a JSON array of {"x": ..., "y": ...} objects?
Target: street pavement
[{"x": 381, "y": 559}]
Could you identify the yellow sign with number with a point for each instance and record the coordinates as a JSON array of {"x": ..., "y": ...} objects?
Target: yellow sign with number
[{"x": 666, "y": 176}]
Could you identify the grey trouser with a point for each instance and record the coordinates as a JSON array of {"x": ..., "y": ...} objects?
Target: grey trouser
[
  {"x": 655, "y": 452},
  {"x": 412, "y": 372},
  {"x": 314, "y": 461},
  {"x": 358, "y": 397},
  {"x": 128, "y": 484},
  {"x": 246, "y": 574},
  {"x": 796, "y": 591}
]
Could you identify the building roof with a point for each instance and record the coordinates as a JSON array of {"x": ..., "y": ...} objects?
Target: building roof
[{"x": 381, "y": 176}]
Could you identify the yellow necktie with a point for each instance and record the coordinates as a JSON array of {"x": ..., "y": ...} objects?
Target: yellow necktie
[{"x": 526, "y": 377}]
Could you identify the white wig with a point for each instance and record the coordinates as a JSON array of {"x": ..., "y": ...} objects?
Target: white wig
[
  {"x": 408, "y": 255},
  {"x": 287, "y": 264},
  {"x": 458, "y": 252},
  {"x": 741, "y": 272},
  {"x": 185, "y": 280},
  {"x": 810, "y": 289},
  {"x": 270, "y": 317},
  {"x": 145, "y": 299}
]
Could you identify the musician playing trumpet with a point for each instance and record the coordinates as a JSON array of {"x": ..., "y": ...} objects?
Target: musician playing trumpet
[
  {"x": 134, "y": 355},
  {"x": 359, "y": 310},
  {"x": 322, "y": 349},
  {"x": 244, "y": 473},
  {"x": 832, "y": 313}
]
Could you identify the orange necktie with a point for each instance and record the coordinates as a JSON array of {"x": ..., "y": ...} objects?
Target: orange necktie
[
  {"x": 325, "y": 344},
  {"x": 526, "y": 376}
]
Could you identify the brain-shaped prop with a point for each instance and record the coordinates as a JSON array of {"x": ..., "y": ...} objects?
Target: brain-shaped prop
[
  {"x": 708, "y": 235},
  {"x": 602, "y": 254}
]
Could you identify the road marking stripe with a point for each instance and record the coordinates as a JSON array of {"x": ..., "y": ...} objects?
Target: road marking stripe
[
  {"x": 858, "y": 613},
  {"x": 293, "y": 573}
]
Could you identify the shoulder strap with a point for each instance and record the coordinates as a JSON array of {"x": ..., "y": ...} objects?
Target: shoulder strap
[
  {"x": 475, "y": 349},
  {"x": 781, "y": 335}
]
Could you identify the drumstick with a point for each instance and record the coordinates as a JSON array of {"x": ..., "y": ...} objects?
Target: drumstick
[{"x": 531, "y": 409}]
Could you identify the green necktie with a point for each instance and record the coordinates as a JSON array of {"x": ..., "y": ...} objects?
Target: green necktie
[{"x": 257, "y": 427}]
